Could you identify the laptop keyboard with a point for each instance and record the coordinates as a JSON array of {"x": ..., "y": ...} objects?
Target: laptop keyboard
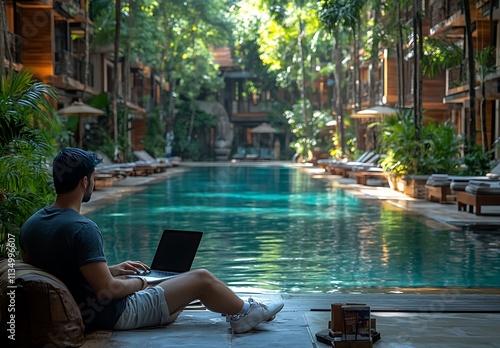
[{"x": 158, "y": 273}]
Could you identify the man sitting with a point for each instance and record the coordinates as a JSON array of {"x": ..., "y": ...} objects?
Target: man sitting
[{"x": 70, "y": 246}]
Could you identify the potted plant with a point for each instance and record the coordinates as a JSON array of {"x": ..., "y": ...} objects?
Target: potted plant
[{"x": 410, "y": 159}]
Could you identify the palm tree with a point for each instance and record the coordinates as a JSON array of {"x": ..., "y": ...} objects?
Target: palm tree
[
  {"x": 338, "y": 16},
  {"x": 24, "y": 147}
]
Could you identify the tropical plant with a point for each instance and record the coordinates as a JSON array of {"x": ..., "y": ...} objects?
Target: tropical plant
[
  {"x": 306, "y": 135},
  {"x": 26, "y": 130},
  {"x": 199, "y": 126},
  {"x": 155, "y": 141},
  {"x": 476, "y": 161},
  {"x": 435, "y": 152}
]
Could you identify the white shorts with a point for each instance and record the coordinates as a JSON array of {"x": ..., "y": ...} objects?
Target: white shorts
[{"x": 144, "y": 308}]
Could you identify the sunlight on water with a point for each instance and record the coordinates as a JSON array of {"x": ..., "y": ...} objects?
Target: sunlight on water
[{"x": 278, "y": 229}]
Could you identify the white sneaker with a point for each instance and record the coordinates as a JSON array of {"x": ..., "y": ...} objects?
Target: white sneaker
[{"x": 257, "y": 313}]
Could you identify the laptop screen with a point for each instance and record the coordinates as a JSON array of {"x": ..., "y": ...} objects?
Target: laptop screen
[{"x": 176, "y": 250}]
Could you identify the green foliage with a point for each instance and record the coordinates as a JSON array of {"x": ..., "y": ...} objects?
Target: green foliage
[
  {"x": 305, "y": 135},
  {"x": 335, "y": 14},
  {"x": 440, "y": 54},
  {"x": 475, "y": 162},
  {"x": 155, "y": 141},
  {"x": 436, "y": 151},
  {"x": 486, "y": 62},
  {"x": 196, "y": 147},
  {"x": 175, "y": 38},
  {"x": 25, "y": 146},
  {"x": 270, "y": 29}
]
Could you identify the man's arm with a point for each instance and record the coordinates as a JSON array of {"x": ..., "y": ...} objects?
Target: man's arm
[{"x": 100, "y": 279}]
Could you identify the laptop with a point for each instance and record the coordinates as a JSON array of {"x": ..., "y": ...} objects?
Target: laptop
[{"x": 174, "y": 255}]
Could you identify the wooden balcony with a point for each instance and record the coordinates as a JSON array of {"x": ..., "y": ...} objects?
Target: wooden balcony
[
  {"x": 483, "y": 6},
  {"x": 70, "y": 71},
  {"x": 72, "y": 9},
  {"x": 13, "y": 54},
  {"x": 446, "y": 16},
  {"x": 35, "y": 3},
  {"x": 456, "y": 80}
]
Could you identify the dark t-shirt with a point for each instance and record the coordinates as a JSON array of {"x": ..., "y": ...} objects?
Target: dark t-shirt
[{"x": 60, "y": 241}]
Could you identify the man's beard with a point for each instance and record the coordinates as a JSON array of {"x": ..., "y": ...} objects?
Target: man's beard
[{"x": 87, "y": 195}]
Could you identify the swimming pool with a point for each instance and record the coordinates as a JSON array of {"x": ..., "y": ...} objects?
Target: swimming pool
[{"x": 278, "y": 229}]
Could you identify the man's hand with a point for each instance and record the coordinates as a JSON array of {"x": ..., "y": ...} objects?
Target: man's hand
[{"x": 128, "y": 267}]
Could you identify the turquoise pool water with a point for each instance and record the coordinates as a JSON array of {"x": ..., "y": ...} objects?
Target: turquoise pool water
[{"x": 279, "y": 229}]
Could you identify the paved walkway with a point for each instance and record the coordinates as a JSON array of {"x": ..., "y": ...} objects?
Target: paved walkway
[{"x": 439, "y": 318}]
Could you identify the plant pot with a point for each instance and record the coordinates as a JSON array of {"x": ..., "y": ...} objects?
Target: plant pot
[{"x": 411, "y": 185}]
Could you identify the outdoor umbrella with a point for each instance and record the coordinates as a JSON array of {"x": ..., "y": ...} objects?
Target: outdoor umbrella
[
  {"x": 264, "y": 128},
  {"x": 374, "y": 111},
  {"x": 80, "y": 109}
]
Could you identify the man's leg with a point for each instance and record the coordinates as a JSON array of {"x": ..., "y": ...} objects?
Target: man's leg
[{"x": 200, "y": 285}]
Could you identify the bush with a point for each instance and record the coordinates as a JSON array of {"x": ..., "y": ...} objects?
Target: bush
[
  {"x": 435, "y": 151},
  {"x": 25, "y": 129}
]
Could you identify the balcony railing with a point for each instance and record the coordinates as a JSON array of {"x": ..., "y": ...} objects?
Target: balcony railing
[
  {"x": 74, "y": 67},
  {"x": 249, "y": 106},
  {"x": 456, "y": 78},
  {"x": 69, "y": 8},
  {"x": 14, "y": 51},
  {"x": 441, "y": 10},
  {"x": 484, "y": 6}
]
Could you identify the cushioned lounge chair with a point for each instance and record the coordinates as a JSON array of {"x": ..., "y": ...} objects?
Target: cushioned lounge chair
[
  {"x": 329, "y": 164},
  {"x": 478, "y": 194},
  {"x": 369, "y": 162},
  {"x": 137, "y": 168},
  {"x": 362, "y": 174},
  {"x": 265, "y": 153},
  {"x": 438, "y": 188},
  {"x": 240, "y": 153},
  {"x": 161, "y": 164},
  {"x": 117, "y": 170}
]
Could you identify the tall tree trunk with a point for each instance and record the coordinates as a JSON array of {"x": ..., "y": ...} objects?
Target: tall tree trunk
[
  {"x": 194, "y": 96},
  {"x": 126, "y": 77},
  {"x": 357, "y": 70},
  {"x": 337, "y": 59},
  {"x": 114, "y": 112},
  {"x": 86, "y": 53},
  {"x": 400, "y": 60},
  {"x": 493, "y": 46},
  {"x": 303, "y": 88},
  {"x": 487, "y": 64},
  {"x": 166, "y": 69},
  {"x": 5, "y": 42},
  {"x": 417, "y": 67},
  {"x": 3, "y": 33},
  {"x": 471, "y": 73},
  {"x": 374, "y": 57}
]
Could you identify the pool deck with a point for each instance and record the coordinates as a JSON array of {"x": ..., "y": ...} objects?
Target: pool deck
[{"x": 429, "y": 318}]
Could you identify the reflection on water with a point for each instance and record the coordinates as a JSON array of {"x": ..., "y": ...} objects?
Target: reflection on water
[{"x": 279, "y": 229}]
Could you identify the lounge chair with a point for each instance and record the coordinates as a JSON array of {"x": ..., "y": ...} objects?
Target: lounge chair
[
  {"x": 121, "y": 170},
  {"x": 265, "y": 153},
  {"x": 240, "y": 153},
  {"x": 329, "y": 163},
  {"x": 170, "y": 161},
  {"x": 146, "y": 159},
  {"x": 478, "y": 194},
  {"x": 117, "y": 170},
  {"x": 370, "y": 161},
  {"x": 362, "y": 174},
  {"x": 438, "y": 188},
  {"x": 103, "y": 180}
]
